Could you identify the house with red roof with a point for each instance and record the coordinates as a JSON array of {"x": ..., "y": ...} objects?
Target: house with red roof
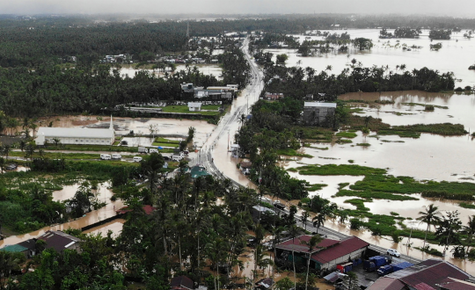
[
  {"x": 326, "y": 255},
  {"x": 431, "y": 274}
]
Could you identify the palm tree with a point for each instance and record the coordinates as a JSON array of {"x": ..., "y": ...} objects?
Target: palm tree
[
  {"x": 430, "y": 216},
  {"x": 304, "y": 219},
  {"x": 314, "y": 241},
  {"x": 469, "y": 230}
]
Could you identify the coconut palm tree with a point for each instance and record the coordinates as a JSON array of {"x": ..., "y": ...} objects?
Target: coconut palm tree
[
  {"x": 430, "y": 216},
  {"x": 469, "y": 230},
  {"x": 314, "y": 241}
]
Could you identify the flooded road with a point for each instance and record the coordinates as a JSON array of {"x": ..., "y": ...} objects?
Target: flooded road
[{"x": 90, "y": 218}]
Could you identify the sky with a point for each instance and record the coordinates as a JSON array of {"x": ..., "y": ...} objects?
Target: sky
[{"x": 461, "y": 8}]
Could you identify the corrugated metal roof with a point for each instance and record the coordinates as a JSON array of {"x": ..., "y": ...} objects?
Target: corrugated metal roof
[
  {"x": 14, "y": 249},
  {"x": 52, "y": 132},
  {"x": 299, "y": 244},
  {"x": 455, "y": 284},
  {"x": 345, "y": 247},
  {"x": 319, "y": 104},
  {"x": 387, "y": 284},
  {"x": 434, "y": 274},
  {"x": 58, "y": 240}
]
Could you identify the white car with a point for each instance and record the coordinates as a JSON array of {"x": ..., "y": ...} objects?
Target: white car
[
  {"x": 137, "y": 159},
  {"x": 116, "y": 156},
  {"x": 152, "y": 150},
  {"x": 393, "y": 252},
  {"x": 105, "y": 157}
]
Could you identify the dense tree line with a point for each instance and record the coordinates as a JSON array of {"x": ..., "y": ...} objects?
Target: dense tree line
[{"x": 51, "y": 90}]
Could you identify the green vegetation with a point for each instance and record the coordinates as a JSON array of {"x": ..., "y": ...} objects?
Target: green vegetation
[
  {"x": 413, "y": 131},
  {"x": 363, "y": 144},
  {"x": 292, "y": 152},
  {"x": 315, "y": 187},
  {"x": 425, "y": 105},
  {"x": 343, "y": 169},
  {"x": 367, "y": 194},
  {"x": 346, "y": 134},
  {"x": 467, "y": 205},
  {"x": 184, "y": 109}
]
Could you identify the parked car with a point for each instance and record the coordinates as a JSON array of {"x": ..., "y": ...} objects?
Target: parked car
[
  {"x": 393, "y": 253},
  {"x": 279, "y": 205},
  {"x": 116, "y": 156},
  {"x": 137, "y": 159},
  {"x": 105, "y": 157}
]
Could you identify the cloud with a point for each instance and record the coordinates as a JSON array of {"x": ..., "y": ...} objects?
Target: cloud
[{"x": 454, "y": 7}]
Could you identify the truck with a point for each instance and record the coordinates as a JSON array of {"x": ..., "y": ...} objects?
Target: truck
[
  {"x": 345, "y": 268},
  {"x": 143, "y": 150},
  {"x": 373, "y": 263},
  {"x": 384, "y": 270}
]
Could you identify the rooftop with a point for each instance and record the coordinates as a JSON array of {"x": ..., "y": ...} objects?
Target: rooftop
[
  {"x": 58, "y": 240},
  {"x": 75, "y": 132},
  {"x": 344, "y": 247},
  {"x": 319, "y": 104},
  {"x": 300, "y": 244}
]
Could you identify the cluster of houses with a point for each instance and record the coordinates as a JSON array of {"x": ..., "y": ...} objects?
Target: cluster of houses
[
  {"x": 57, "y": 240},
  {"x": 213, "y": 92},
  {"x": 117, "y": 58}
]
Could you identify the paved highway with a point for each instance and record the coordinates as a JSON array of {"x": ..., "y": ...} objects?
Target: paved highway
[{"x": 215, "y": 157}]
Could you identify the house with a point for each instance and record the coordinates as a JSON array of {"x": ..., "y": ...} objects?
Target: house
[
  {"x": 60, "y": 241},
  {"x": 194, "y": 106},
  {"x": 181, "y": 283},
  {"x": 245, "y": 166},
  {"x": 431, "y": 274},
  {"x": 28, "y": 248},
  {"x": 317, "y": 113},
  {"x": 326, "y": 255},
  {"x": 273, "y": 96},
  {"x": 86, "y": 136}
]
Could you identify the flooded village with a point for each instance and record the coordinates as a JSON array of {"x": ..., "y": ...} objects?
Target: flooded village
[{"x": 256, "y": 175}]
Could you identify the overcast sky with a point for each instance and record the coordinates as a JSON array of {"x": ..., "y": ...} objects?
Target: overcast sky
[{"x": 462, "y": 8}]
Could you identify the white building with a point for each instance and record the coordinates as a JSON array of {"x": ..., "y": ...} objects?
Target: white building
[
  {"x": 194, "y": 106},
  {"x": 86, "y": 136}
]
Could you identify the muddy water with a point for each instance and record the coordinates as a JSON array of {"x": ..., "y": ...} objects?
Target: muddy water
[
  {"x": 431, "y": 157},
  {"x": 90, "y": 218},
  {"x": 115, "y": 226},
  {"x": 456, "y": 55},
  {"x": 102, "y": 192}
]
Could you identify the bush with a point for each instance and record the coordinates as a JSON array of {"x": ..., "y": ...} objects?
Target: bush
[{"x": 356, "y": 224}]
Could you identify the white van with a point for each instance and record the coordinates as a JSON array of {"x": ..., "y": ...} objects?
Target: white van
[
  {"x": 116, "y": 156},
  {"x": 105, "y": 157},
  {"x": 153, "y": 150},
  {"x": 137, "y": 159}
]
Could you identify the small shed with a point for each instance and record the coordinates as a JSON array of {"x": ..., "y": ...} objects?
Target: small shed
[{"x": 194, "y": 106}]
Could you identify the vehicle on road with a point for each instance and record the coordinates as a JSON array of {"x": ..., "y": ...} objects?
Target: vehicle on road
[
  {"x": 143, "y": 150},
  {"x": 153, "y": 150},
  {"x": 105, "y": 157},
  {"x": 279, "y": 205},
  {"x": 137, "y": 159},
  {"x": 393, "y": 253},
  {"x": 116, "y": 156}
]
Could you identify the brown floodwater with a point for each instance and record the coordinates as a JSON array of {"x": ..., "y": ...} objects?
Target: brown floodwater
[
  {"x": 115, "y": 226},
  {"x": 455, "y": 55},
  {"x": 88, "y": 219},
  {"x": 430, "y": 157}
]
